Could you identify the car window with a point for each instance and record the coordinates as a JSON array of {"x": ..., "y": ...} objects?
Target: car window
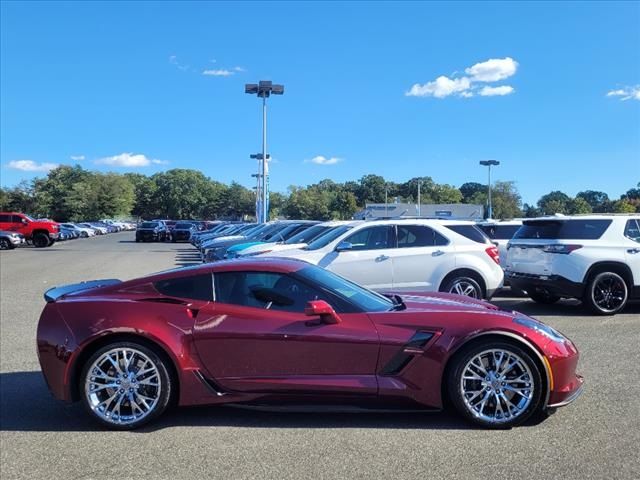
[
  {"x": 372, "y": 238},
  {"x": 500, "y": 232},
  {"x": 583, "y": 229},
  {"x": 471, "y": 232},
  {"x": 632, "y": 230},
  {"x": 327, "y": 238},
  {"x": 149, "y": 225},
  {"x": 5, "y": 218},
  {"x": 419, "y": 236},
  {"x": 195, "y": 287},
  {"x": 268, "y": 290},
  {"x": 308, "y": 234}
]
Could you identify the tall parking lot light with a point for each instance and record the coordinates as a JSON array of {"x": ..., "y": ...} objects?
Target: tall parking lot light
[
  {"x": 259, "y": 185},
  {"x": 264, "y": 89},
  {"x": 489, "y": 163}
]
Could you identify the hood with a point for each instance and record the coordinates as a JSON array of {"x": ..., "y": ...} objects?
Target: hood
[
  {"x": 242, "y": 246},
  {"x": 437, "y": 301}
]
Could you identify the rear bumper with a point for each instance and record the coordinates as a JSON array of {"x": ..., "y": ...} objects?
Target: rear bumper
[{"x": 554, "y": 284}]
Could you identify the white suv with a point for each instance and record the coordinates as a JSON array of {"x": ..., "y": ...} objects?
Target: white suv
[
  {"x": 594, "y": 258},
  {"x": 409, "y": 255}
]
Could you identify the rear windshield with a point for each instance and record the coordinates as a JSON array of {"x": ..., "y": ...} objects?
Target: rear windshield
[
  {"x": 500, "y": 232},
  {"x": 563, "y": 229},
  {"x": 183, "y": 226},
  {"x": 471, "y": 232},
  {"x": 149, "y": 225},
  {"x": 327, "y": 238}
]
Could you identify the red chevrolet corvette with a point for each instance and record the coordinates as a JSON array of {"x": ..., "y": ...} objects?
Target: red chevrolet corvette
[{"x": 278, "y": 333}]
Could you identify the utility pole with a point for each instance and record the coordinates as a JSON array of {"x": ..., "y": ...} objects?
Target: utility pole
[{"x": 489, "y": 163}]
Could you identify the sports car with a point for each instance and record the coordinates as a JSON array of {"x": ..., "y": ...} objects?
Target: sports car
[{"x": 284, "y": 334}]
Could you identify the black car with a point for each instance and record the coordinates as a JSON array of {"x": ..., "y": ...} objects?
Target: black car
[
  {"x": 182, "y": 232},
  {"x": 155, "y": 231}
]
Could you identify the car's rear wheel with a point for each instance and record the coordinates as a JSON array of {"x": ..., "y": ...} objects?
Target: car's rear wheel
[
  {"x": 125, "y": 385},
  {"x": 606, "y": 293},
  {"x": 495, "y": 384},
  {"x": 40, "y": 240},
  {"x": 543, "y": 296},
  {"x": 5, "y": 244},
  {"x": 463, "y": 285}
]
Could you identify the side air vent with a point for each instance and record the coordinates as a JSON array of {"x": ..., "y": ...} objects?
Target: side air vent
[
  {"x": 415, "y": 346},
  {"x": 210, "y": 384}
]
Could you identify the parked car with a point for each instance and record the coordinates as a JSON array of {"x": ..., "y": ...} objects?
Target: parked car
[
  {"x": 277, "y": 231},
  {"x": 155, "y": 231},
  {"x": 83, "y": 232},
  {"x": 182, "y": 232},
  {"x": 408, "y": 255},
  {"x": 500, "y": 232},
  {"x": 228, "y": 230},
  {"x": 40, "y": 233},
  {"x": 69, "y": 233},
  {"x": 299, "y": 240},
  {"x": 594, "y": 258},
  {"x": 287, "y": 333},
  {"x": 10, "y": 240},
  {"x": 96, "y": 230}
]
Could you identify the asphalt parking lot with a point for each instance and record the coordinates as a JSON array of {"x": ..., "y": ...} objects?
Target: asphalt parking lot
[{"x": 595, "y": 438}]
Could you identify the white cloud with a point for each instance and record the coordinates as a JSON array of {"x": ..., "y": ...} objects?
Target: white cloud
[
  {"x": 496, "y": 91},
  {"x": 492, "y": 70},
  {"x": 322, "y": 160},
  {"x": 221, "y": 72},
  {"x": 127, "y": 160},
  {"x": 173, "y": 60},
  {"x": 31, "y": 166},
  {"x": 239, "y": 69},
  {"x": 441, "y": 87},
  {"x": 627, "y": 93},
  {"x": 160, "y": 162},
  {"x": 77, "y": 158}
]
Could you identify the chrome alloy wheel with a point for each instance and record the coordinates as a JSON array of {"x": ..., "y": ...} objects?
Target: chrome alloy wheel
[
  {"x": 609, "y": 292},
  {"x": 123, "y": 386},
  {"x": 497, "y": 386},
  {"x": 464, "y": 287}
]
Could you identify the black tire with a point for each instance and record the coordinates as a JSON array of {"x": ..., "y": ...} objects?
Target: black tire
[
  {"x": 165, "y": 394},
  {"x": 462, "y": 404},
  {"x": 137, "y": 240},
  {"x": 606, "y": 293},
  {"x": 84, "y": 235},
  {"x": 5, "y": 244},
  {"x": 463, "y": 285},
  {"x": 40, "y": 240},
  {"x": 543, "y": 296}
]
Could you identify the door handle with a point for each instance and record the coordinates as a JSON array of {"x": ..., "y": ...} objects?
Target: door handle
[
  {"x": 633, "y": 250},
  {"x": 437, "y": 253},
  {"x": 381, "y": 258}
]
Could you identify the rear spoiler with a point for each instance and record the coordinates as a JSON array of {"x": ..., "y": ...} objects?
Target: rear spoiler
[{"x": 55, "y": 293}]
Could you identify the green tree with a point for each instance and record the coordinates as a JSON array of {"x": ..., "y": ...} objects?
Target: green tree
[
  {"x": 144, "y": 191},
  {"x": 554, "y": 202},
  {"x": 343, "y": 205},
  {"x": 52, "y": 194},
  {"x": 505, "y": 200},
  {"x": 599, "y": 201},
  {"x": 371, "y": 189},
  {"x": 470, "y": 189},
  {"x": 180, "y": 193},
  {"x": 578, "y": 205},
  {"x": 623, "y": 206}
]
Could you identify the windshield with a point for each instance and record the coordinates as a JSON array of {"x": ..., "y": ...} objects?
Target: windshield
[
  {"x": 285, "y": 233},
  {"x": 327, "y": 238},
  {"x": 183, "y": 226},
  {"x": 28, "y": 217},
  {"x": 366, "y": 300},
  {"x": 272, "y": 228},
  {"x": 149, "y": 225},
  {"x": 309, "y": 234}
]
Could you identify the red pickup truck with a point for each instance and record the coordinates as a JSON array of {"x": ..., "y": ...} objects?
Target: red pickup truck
[{"x": 42, "y": 233}]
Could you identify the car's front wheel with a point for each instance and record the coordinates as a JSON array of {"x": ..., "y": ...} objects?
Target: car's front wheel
[
  {"x": 40, "y": 240},
  {"x": 495, "y": 384},
  {"x": 125, "y": 385},
  {"x": 5, "y": 244},
  {"x": 606, "y": 293}
]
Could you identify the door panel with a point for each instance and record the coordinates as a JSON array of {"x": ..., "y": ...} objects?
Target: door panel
[{"x": 253, "y": 349}]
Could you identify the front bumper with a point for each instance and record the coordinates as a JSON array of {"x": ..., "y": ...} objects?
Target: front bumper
[
  {"x": 554, "y": 284},
  {"x": 54, "y": 235},
  {"x": 560, "y": 399}
]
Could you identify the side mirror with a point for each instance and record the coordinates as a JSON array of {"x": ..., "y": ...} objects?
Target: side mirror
[
  {"x": 322, "y": 309},
  {"x": 343, "y": 246}
]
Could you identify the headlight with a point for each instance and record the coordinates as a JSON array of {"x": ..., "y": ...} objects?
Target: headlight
[{"x": 541, "y": 328}]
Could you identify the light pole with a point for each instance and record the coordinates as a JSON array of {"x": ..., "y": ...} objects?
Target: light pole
[
  {"x": 489, "y": 163},
  {"x": 419, "y": 206},
  {"x": 386, "y": 203},
  {"x": 260, "y": 185},
  {"x": 263, "y": 90}
]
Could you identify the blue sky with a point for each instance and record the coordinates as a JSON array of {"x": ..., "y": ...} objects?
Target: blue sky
[{"x": 117, "y": 84}]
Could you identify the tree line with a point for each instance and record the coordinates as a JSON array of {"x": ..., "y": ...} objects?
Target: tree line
[{"x": 72, "y": 193}]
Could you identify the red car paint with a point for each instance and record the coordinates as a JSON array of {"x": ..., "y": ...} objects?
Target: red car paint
[{"x": 234, "y": 354}]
